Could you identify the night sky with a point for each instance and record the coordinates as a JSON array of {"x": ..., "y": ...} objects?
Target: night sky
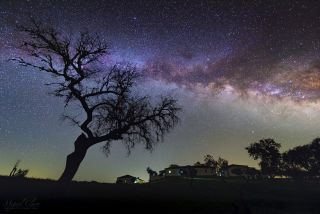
[{"x": 242, "y": 70}]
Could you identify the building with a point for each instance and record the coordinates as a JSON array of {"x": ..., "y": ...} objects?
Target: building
[
  {"x": 188, "y": 171},
  {"x": 203, "y": 171},
  {"x": 128, "y": 179},
  {"x": 183, "y": 171},
  {"x": 235, "y": 170}
]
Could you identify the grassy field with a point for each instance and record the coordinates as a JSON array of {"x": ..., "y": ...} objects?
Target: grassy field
[{"x": 171, "y": 196}]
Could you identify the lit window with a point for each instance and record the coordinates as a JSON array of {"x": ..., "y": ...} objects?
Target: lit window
[{"x": 169, "y": 171}]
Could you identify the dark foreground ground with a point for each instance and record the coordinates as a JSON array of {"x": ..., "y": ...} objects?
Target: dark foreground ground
[{"x": 173, "y": 196}]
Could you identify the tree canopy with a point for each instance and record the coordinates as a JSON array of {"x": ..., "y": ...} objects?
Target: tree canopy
[
  {"x": 111, "y": 109},
  {"x": 267, "y": 151}
]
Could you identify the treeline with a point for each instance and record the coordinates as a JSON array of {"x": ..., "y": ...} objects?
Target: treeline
[
  {"x": 219, "y": 166},
  {"x": 300, "y": 162}
]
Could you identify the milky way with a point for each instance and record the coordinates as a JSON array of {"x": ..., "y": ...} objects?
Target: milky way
[
  {"x": 243, "y": 70},
  {"x": 270, "y": 47}
]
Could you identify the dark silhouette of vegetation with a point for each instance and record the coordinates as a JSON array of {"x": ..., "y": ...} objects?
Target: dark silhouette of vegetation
[
  {"x": 111, "y": 110},
  {"x": 222, "y": 166},
  {"x": 15, "y": 172},
  {"x": 151, "y": 172},
  {"x": 302, "y": 161},
  {"x": 294, "y": 163},
  {"x": 197, "y": 163},
  {"x": 299, "y": 162},
  {"x": 210, "y": 162},
  {"x": 267, "y": 151},
  {"x": 219, "y": 166}
]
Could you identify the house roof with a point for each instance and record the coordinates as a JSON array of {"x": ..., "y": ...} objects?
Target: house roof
[
  {"x": 237, "y": 165},
  {"x": 127, "y": 176},
  {"x": 187, "y": 166},
  {"x": 243, "y": 166}
]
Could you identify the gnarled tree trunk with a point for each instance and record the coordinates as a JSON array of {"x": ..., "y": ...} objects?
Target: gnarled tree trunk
[{"x": 74, "y": 159}]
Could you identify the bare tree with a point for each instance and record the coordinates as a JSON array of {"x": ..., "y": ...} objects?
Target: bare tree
[
  {"x": 112, "y": 111},
  {"x": 20, "y": 173},
  {"x": 15, "y": 168}
]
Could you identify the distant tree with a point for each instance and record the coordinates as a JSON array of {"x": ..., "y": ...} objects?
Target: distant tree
[
  {"x": 267, "y": 151},
  {"x": 15, "y": 168},
  {"x": 314, "y": 157},
  {"x": 295, "y": 162},
  {"x": 302, "y": 161},
  {"x": 222, "y": 166},
  {"x": 210, "y": 162},
  {"x": 197, "y": 163},
  {"x": 111, "y": 110},
  {"x": 151, "y": 172},
  {"x": 15, "y": 172}
]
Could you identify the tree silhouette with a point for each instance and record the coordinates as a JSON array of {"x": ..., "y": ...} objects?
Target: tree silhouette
[
  {"x": 151, "y": 172},
  {"x": 267, "y": 150},
  {"x": 15, "y": 172},
  {"x": 222, "y": 166},
  {"x": 197, "y": 163},
  {"x": 15, "y": 168},
  {"x": 314, "y": 157},
  {"x": 302, "y": 161},
  {"x": 219, "y": 166},
  {"x": 295, "y": 162},
  {"x": 111, "y": 110},
  {"x": 210, "y": 162}
]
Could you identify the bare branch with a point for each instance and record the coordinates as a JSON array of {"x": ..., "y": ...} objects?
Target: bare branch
[{"x": 112, "y": 110}]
